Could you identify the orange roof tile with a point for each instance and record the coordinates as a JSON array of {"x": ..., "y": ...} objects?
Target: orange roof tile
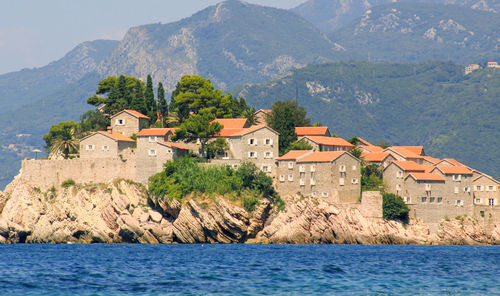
[
  {"x": 226, "y": 132},
  {"x": 155, "y": 132},
  {"x": 432, "y": 159},
  {"x": 373, "y": 149},
  {"x": 251, "y": 129},
  {"x": 174, "y": 145},
  {"x": 311, "y": 130},
  {"x": 427, "y": 168},
  {"x": 454, "y": 170},
  {"x": 374, "y": 156},
  {"x": 232, "y": 122},
  {"x": 325, "y": 156},
  {"x": 404, "y": 152},
  {"x": 409, "y": 166},
  {"x": 330, "y": 141},
  {"x": 453, "y": 161},
  {"x": 426, "y": 177},
  {"x": 134, "y": 113},
  {"x": 116, "y": 136},
  {"x": 294, "y": 154},
  {"x": 365, "y": 142},
  {"x": 419, "y": 150}
]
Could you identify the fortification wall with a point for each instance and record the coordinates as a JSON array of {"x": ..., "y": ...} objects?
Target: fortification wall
[
  {"x": 371, "y": 204},
  {"x": 47, "y": 173}
]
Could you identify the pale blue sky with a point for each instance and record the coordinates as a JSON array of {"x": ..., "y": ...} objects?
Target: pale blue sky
[{"x": 36, "y": 32}]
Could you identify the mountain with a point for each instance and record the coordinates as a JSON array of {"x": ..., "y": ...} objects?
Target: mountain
[
  {"x": 432, "y": 104},
  {"x": 231, "y": 43},
  {"x": 423, "y": 31},
  {"x": 28, "y": 85},
  {"x": 329, "y": 15}
]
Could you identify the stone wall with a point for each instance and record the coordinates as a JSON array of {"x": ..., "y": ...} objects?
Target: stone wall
[
  {"x": 47, "y": 173},
  {"x": 371, "y": 204}
]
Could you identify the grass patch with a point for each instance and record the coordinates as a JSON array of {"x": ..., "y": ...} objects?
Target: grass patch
[{"x": 68, "y": 183}]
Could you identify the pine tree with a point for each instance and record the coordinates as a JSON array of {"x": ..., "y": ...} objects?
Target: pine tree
[
  {"x": 149, "y": 96},
  {"x": 138, "y": 102},
  {"x": 162, "y": 103}
]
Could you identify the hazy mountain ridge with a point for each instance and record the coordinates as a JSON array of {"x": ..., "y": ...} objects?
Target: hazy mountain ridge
[
  {"x": 231, "y": 43},
  {"x": 329, "y": 15},
  {"x": 432, "y": 104},
  {"x": 423, "y": 31}
]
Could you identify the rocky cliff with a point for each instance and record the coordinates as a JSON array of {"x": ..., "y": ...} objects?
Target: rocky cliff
[{"x": 120, "y": 213}]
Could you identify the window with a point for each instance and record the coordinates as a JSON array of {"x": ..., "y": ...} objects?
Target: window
[
  {"x": 290, "y": 178},
  {"x": 313, "y": 168},
  {"x": 314, "y": 194},
  {"x": 456, "y": 189},
  {"x": 90, "y": 147},
  {"x": 235, "y": 166},
  {"x": 268, "y": 141},
  {"x": 152, "y": 152},
  {"x": 302, "y": 182},
  {"x": 324, "y": 194},
  {"x": 282, "y": 178},
  {"x": 354, "y": 167},
  {"x": 479, "y": 188},
  {"x": 398, "y": 187},
  {"x": 440, "y": 200},
  {"x": 120, "y": 122},
  {"x": 459, "y": 202},
  {"x": 302, "y": 168},
  {"x": 400, "y": 174},
  {"x": 341, "y": 181},
  {"x": 427, "y": 187},
  {"x": 153, "y": 139},
  {"x": 265, "y": 169},
  {"x": 169, "y": 151},
  {"x": 466, "y": 189},
  {"x": 302, "y": 175},
  {"x": 424, "y": 199},
  {"x": 354, "y": 181},
  {"x": 105, "y": 148},
  {"x": 477, "y": 201},
  {"x": 491, "y": 202},
  {"x": 456, "y": 177},
  {"x": 491, "y": 188},
  {"x": 406, "y": 199},
  {"x": 251, "y": 142},
  {"x": 290, "y": 165},
  {"x": 431, "y": 199},
  {"x": 313, "y": 182},
  {"x": 342, "y": 168},
  {"x": 252, "y": 154},
  {"x": 268, "y": 154}
]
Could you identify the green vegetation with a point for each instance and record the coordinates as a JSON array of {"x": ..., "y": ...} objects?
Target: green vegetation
[
  {"x": 299, "y": 145},
  {"x": 371, "y": 178},
  {"x": 394, "y": 208},
  {"x": 285, "y": 116},
  {"x": 431, "y": 104},
  {"x": 68, "y": 183},
  {"x": 183, "y": 176}
]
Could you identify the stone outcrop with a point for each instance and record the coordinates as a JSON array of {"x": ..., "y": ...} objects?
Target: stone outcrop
[{"x": 121, "y": 213}]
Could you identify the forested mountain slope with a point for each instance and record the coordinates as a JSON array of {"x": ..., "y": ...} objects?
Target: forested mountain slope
[{"x": 432, "y": 104}]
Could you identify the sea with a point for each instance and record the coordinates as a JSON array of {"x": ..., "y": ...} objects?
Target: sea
[{"x": 241, "y": 269}]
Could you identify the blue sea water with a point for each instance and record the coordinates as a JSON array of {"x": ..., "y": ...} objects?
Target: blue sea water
[{"x": 248, "y": 270}]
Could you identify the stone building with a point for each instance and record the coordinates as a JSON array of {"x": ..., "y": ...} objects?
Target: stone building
[
  {"x": 261, "y": 116},
  {"x": 333, "y": 174},
  {"x": 104, "y": 145},
  {"x": 128, "y": 122},
  {"x": 486, "y": 190},
  {"x": 322, "y": 143},
  {"x": 379, "y": 158},
  {"x": 402, "y": 153}
]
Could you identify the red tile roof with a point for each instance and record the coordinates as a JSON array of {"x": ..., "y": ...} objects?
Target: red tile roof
[
  {"x": 454, "y": 170},
  {"x": 410, "y": 166},
  {"x": 325, "y": 156},
  {"x": 174, "y": 145},
  {"x": 404, "y": 152},
  {"x": 427, "y": 168},
  {"x": 330, "y": 141},
  {"x": 311, "y": 130},
  {"x": 365, "y": 142},
  {"x": 419, "y": 150},
  {"x": 232, "y": 122},
  {"x": 226, "y": 132},
  {"x": 453, "y": 161},
  {"x": 374, "y": 156},
  {"x": 373, "y": 149},
  {"x": 251, "y": 129},
  {"x": 294, "y": 154},
  {"x": 426, "y": 177},
  {"x": 155, "y": 132},
  {"x": 432, "y": 159},
  {"x": 116, "y": 136},
  {"x": 134, "y": 113}
]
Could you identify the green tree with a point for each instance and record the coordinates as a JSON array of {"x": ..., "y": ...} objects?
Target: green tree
[
  {"x": 249, "y": 114},
  {"x": 66, "y": 142},
  {"x": 356, "y": 152},
  {"x": 394, "y": 208},
  {"x": 299, "y": 145},
  {"x": 217, "y": 147},
  {"x": 162, "y": 103},
  {"x": 198, "y": 127},
  {"x": 94, "y": 121},
  {"x": 57, "y": 131},
  {"x": 118, "y": 93},
  {"x": 354, "y": 140},
  {"x": 149, "y": 97},
  {"x": 285, "y": 116}
]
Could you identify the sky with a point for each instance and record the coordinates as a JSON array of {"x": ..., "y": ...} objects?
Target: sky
[{"x": 34, "y": 33}]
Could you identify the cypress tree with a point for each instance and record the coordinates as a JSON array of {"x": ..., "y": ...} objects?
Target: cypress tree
[
  {"x": 162, "y": 103},
  {"x": 138, "y": 103},
  {"x": 149, "y": 96}
]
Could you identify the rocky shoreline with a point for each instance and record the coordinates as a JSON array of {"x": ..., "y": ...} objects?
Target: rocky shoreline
[{"x": 120, "y": 212}]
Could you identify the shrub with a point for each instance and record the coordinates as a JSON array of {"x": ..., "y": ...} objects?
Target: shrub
[
  {"x": 394, "y": 208},
  {"x": 68, "y": 183}
]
